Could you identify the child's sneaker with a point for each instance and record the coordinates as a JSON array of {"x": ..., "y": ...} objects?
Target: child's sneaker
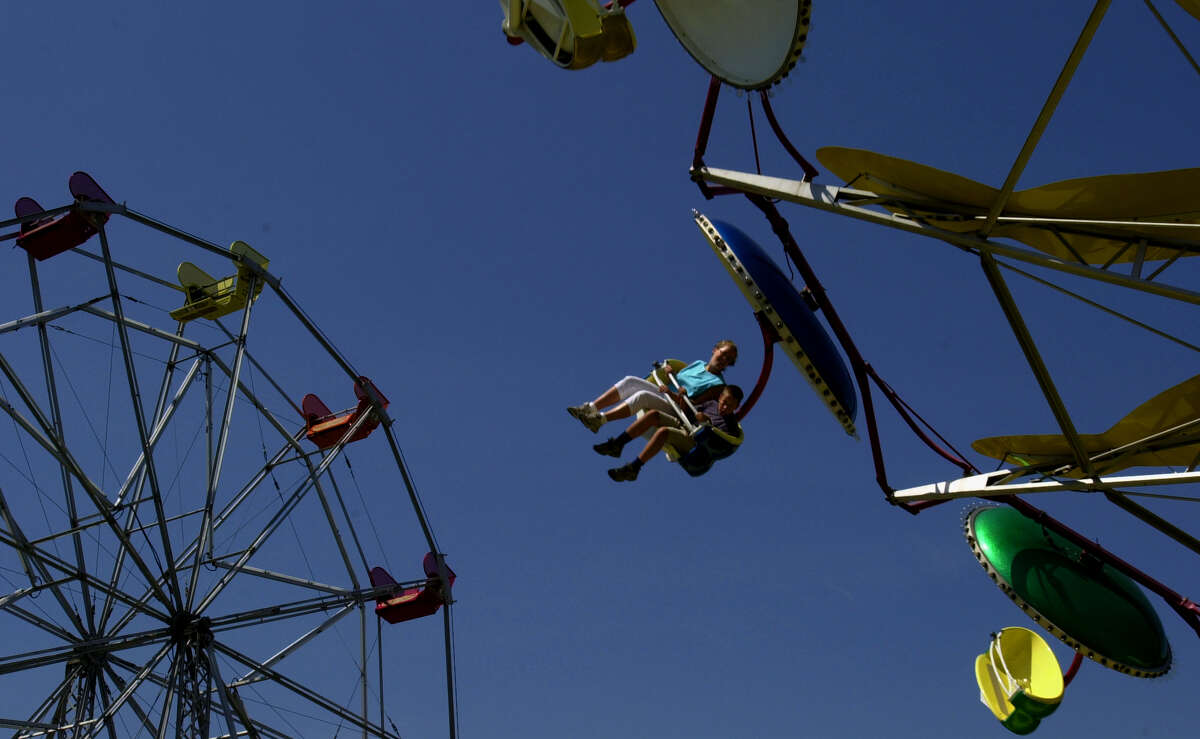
[
  {"x": 624, "y": 473},
  {"x": 610, "y": 448}
]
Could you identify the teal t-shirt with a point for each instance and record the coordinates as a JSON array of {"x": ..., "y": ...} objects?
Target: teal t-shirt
[{"x": 695, "y": 378}]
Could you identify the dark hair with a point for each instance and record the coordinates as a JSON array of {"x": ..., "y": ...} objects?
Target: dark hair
[{"x": 735, "y": 391}]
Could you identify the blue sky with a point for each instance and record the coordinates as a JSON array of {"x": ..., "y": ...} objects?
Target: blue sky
[{"x": 491, "y": 239}]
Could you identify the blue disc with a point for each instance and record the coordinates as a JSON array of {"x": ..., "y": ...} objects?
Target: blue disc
[{"x": 802, "y": 336}]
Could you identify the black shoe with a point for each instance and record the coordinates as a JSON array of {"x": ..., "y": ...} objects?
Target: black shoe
[
  {"x": 625, "y": 473},
  {"x": 610, "y": 448}
]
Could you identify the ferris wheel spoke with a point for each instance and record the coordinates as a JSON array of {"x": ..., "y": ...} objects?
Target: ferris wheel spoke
[
  {"x": 304, "y": 692},
  {"x": 41, "y": 622},
  {"x": 60, "y": 432},
  {"x": 315, "y": 475},
  {"x": 57, "y": 563},
  {"x": 81, "y": 648},
  {"x": 275, "y": 521},
  {"x": 337, "y": 492},
  {"x": 136, "y": 475},
  {"x": 31, "y": 561},
  {"x": 138, "y": 414},
  {"x": 217, "y": 460},
  {"x": 283, "y": 577},
  {"x": 43, "y": 434},
  {"x": 255, "y": 676},
  {"x": 135, "y": 480},
  {"x": 236, "y": 502}
]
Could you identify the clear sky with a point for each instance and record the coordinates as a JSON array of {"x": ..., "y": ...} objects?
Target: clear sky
[{"x": 491, "y": 239}]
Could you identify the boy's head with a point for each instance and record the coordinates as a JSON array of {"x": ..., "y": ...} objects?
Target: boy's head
[{"x": 729, "y": 399}]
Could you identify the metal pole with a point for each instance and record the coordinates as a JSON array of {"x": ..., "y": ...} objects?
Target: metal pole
[
  {"x": 1034, "y": 358},
  {"x": 135, "y": 397},
  {"x": 68, "y": 488},
  {"x": 1043, "y": 119}
]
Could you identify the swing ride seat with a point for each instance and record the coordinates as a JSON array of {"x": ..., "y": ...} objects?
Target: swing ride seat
[
  {"x": 52, "y": 236},
  {"x": 712, "y": 445},
  {"x": 1019, "y": 679},
  {"x": 1047, "y": 218},
  {"x": 1156, "y": 417},
  {"x": 412, "y": 602},
  {"x": 325, "y": 428},
  {"x": 574, "y": 34},
  {"x": 212, "y": 298}
]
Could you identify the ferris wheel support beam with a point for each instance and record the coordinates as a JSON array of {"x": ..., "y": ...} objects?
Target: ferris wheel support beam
[
  {"x": 836, "y": 200},
  {"x": 226, "y": 699},
  {"x": 56, "y": 696},
  {"x": 135, "y": 396},
  {"x": 164, "y": 718},
  {"x": 120, "y": 684},
  {"x": 1043, "y": 119}
]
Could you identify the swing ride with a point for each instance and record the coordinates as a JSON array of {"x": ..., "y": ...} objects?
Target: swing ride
[
  {"x": 1121, "y": 230},
  {"x": 165, "y": 489}
]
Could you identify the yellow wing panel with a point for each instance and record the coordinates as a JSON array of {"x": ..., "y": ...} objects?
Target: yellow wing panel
[
  {"x": 954, "y": 203},
  {"x": 1172, "y": 407}
]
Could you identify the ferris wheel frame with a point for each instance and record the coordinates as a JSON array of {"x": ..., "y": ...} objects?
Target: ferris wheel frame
[{"x": 106, "y": 618}]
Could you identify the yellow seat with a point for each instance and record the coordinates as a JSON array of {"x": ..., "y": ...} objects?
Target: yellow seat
[
  {"x": 1170, "y": 408},
  {"x": 619, "y": 40},
  {"x": 1019, "y": 679},
  {"x": 212, "y": 298},
  {"x": 573, "y": 34}
]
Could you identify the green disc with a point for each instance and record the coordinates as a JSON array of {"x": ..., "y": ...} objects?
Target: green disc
[{"x": 1088, "y": 605}]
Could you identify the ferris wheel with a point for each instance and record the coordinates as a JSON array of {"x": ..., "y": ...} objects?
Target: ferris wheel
[{"x": 186, "y": 548}]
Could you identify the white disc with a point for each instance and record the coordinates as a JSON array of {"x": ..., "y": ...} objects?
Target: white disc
[{"x": 747, "y": 45}]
